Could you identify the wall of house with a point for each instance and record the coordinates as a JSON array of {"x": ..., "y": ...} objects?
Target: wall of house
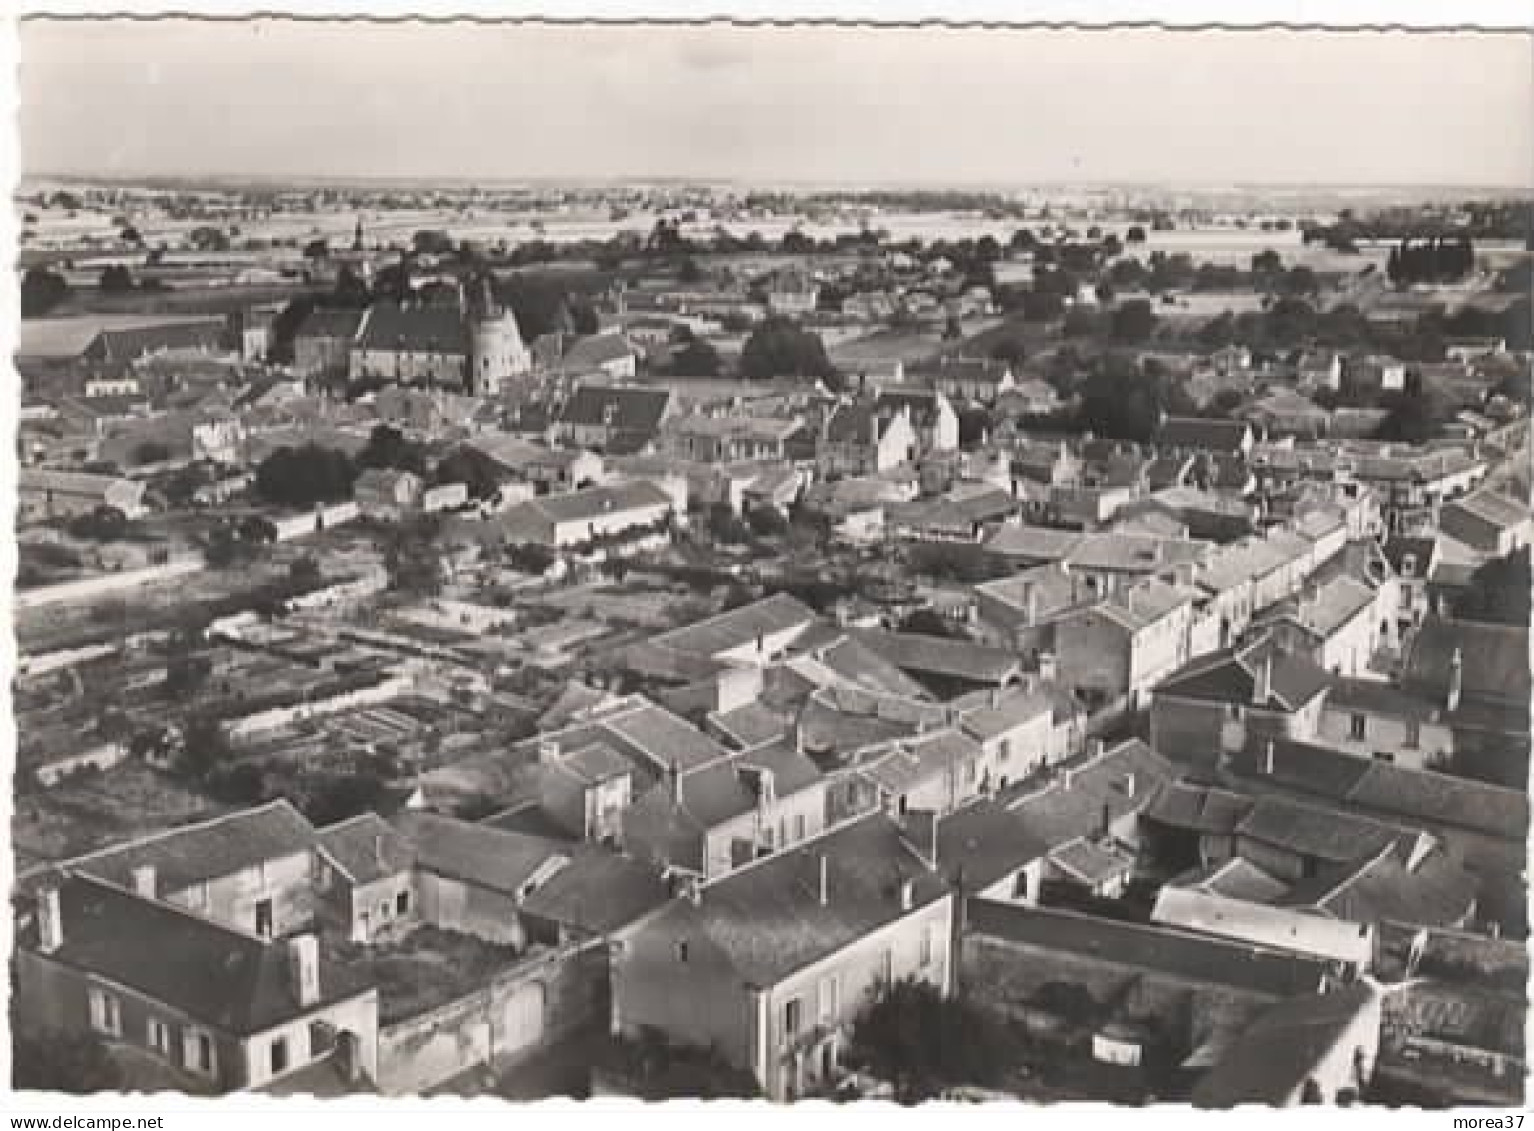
[
  {"x": 1158, "y": 650},
  {"x": 787, "y": 821},
  {"x": 613, "y": 522},
  {"x": 697, "y": 1000},
  {"x": 357, "y": 1016},
  {"x": 918, "y": 945},
  {"x": 1349, "y": 1062},
  {"x": 51, "y": 995},
  {"x": 410, "y": 366},
  {"x": 373, "y": 909},
  {"x": 520, "y": 1010},
  {"x": 1384, "y": 733},
  {"x": 231, "y": 900},
  {"x": 383, "y": 691},
  {"x": 316, "y": 355},
  {"x": 1092, "y": 654},
  {"x": 1020, "y": 751},
  {"x": 456, "y": 906}
]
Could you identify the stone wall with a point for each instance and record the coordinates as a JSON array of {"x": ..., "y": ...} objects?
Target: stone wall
[{"x": 524, "y": 1009}]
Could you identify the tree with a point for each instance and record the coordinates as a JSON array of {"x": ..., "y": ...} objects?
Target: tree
[
  {"x": 41, "y": 291},
  {"x": 151, "y": 451},
  {"x": 696, "y": 358},
  {"x": 48, "y": 1060},
  {"x": 724, "y": 526},
  {"x": 688, "y": 272},
  {"x": 411, "y": 557},
  {"x": 305, "y": 572},
  {"x": 1135, "y": 234},
  {"x": 922, "y": 1043},
  {"x": 779, "y": 348},
  {"x": 474, "y": 471},
  {"x": 101, "y": 524},
  {"x": 317, "y": 249},
  {"x": 766, "y": 521},
  {"x": 1133, "y": 322},
  {"x": 115, "y": 279},
  {"x": 387, "y": 447},
  {"x": 304, "y": 476}
]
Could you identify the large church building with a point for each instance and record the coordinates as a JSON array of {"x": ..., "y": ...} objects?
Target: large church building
[{"x": 471, "y": 346}]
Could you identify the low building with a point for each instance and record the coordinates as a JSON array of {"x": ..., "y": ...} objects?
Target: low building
[
  {"x": 1488, "y": 521},
  {"x": 579, "y": 518},
  {"x": 387, "y": 494},
  {"x": 770, "y": 966},
  {"x": 1119, "y": 650},
  {"x": 45, "y": 493},
  {"x": 614, "y": 419}
]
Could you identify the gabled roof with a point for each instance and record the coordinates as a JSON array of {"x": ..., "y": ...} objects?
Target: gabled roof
[
  {"x": 1201, "y": 432},
  {"x": 1438, "y": 892},
  {"x": 1327, "y": 608},
  {"x": 598, "y": 892},
  {"x": 986, "y": 842},
  {"x": 1277, "y": 1052},
  {"x": 597, "y": 350},
  {"x": 1015, "y": 708},
  {"x": 366, "y": 848},
  {"x": 477, "y": 854},
  {"x": 735, "y": 628},
  {"x": 1494, "y": 508},
  {"x": 220, "y": 977},
  {"x": 428, "y": 328},
  {"x": 1398, "y": 791},
  {"x": 1322, "y": 834},
  {"x": 1125, "y": 779},
  {"x": 1233, "y": 878},
  {"x": 622, "y": 408},
  {"x": 767, "y": 921},
  {"x": 1231, "y": 675},
  {"x": 1494, "y": 659},
  {"x": 196, "y": 853},
  {"x": 940, "y": 655}
]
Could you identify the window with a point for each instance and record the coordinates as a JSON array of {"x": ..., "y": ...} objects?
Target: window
[
  {"x": 791, "y": 1016},
  {"x": 1233, "y": 712},
  {"x": 106, "y": 1013},
  {"x": 383, "y": 909},
  {"x": 1358, "y": 726},
  {"x": 279, "y": 1055},
  {"x": 402, "y": 903},
  {"x": 1413, "y": 732},
  {"x": 264, "y": 918},
  {"x": 830, "y": 998},
  {"x": 159, "y": 1036},
  {"x": 926, "y": 945},
  {"x": 799, "y": 827},
  {"x": 203, "y": 1060},
  {"x": 681, "y": 950}
]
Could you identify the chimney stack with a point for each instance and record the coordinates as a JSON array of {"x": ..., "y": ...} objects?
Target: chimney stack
[
  {"x": 1262, "y": 682},
  {"x": 50, "y": 920},
  {"x": 304, "y": 968},
  {"x": 674, "y": 782},
  {"x": 1032, "y": 604},
  {"x": 548, "y": 750},
  {"x": 824, "y": 890},
  {"x": 1129, "y": 785},
  {"x": 907, "y": 894},
  {"x": 378, "y": 853},
  {"x": 1267, "y": 760},
  {"x": 1456, "y": 680},
  {"x": 144, "y": 881}
]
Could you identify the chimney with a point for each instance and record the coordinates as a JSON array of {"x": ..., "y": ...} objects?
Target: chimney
[
  {"x": 144, "y": 881},
  {"x": 378, "y": 853},
  {"x": 304, "y": 968},
  {"x": 1456, "y": 680},
  {"x": 50, "y": 919},
  {"x": 824, "y": 890},
  {"x": 674, "y": 783},
  {"x": 1067, "y": 778},
  {"x": 548, "y": 751},
  {"x": 1262, "y": 681},
  {"x": 1094, "y": 749},
  {"x": 1031, "y": 604},
  {"x": 1267, "y": 760},
  {"x": 907, "y": 894},
  {"x": 1129, "y": 785}
]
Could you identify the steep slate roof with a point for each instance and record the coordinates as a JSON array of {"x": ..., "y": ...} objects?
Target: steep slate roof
[
  {"x": 767, "y": 919},
  {"x": 366, "y": 848},
  {"x": 637, "y": 410},
  {"x": 1178, "y": 954},
  {"x": 429, "y": 328},
  {"x": 221, "y": 977},
  {"x": 196, "y": 853},
  {"x": 1281, "y": 1048},
  {"x": 1230, "y": 676},
  {"x": 478, "y": 854}
]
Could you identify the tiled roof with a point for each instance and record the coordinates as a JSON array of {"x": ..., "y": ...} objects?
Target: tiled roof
[
  {"x": 1494, "y": 659},
  {"x": 1328, "y": 608},
  {"x": 663, "y": 738},
  {"x": 917, "y": 759},
  {"x": 1016, "y": 708},
  {"x": 221, "y": 977},
  {"x": 366, "y": 848},
  {"x": 598, "y": 892},
  {"x": 341, "y": 324},
  {"x": 940, "y": 656},
  {"x": 477, "y": 854},
  {"x": 749, "y": 725},
  {"x": 767, "y": 919},
  {"x": 1282, "y": 1048},
  {"x": 1492, "y": 507},
  {"x": 1090, "y": 862},
  {"x": 1202, "y": 809},
  {"x": 596, "y": 350},
  {"x": 1038, "y": 543},
  {"x": 922, "y": 404},
  {"x": 196, "y": 853},
  {"x": 1125, "y": 779},
  {"x": 1178, "y": 954},
  {"x": 1382, "y": 889},
  {"x": 985, "y": 841},
  {"x": 1200, "y": 432},
  {"x": 1235, "y": 878},
  {"x": 1323, "y": 834},
  {"x": 737, "y": 627},
  {"x": 1230, "y": 676}
]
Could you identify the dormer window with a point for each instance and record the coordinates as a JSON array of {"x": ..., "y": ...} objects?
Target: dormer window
[{"x": 1409, "y": 565}]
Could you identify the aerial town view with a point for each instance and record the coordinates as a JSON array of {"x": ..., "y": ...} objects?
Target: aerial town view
[{"x": 671, "y": 562}]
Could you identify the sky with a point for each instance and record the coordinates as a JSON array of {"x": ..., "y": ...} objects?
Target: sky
[{"x": 776, "y": 105}]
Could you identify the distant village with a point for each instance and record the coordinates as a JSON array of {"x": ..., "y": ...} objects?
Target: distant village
[{"x": 677, "y": 660}]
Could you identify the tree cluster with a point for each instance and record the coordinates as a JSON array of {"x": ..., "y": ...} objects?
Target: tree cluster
[
  {"x": 306, "y": 475},
  {"x": 41, "y": 291},
  {"x": 778, "y": 348},
  {"x": 1435, "y": 259},
  {"x": 923, "y": 1043}
]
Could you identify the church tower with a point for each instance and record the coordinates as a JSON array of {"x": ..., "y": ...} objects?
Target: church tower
[{"x": 498, "y": 351}]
